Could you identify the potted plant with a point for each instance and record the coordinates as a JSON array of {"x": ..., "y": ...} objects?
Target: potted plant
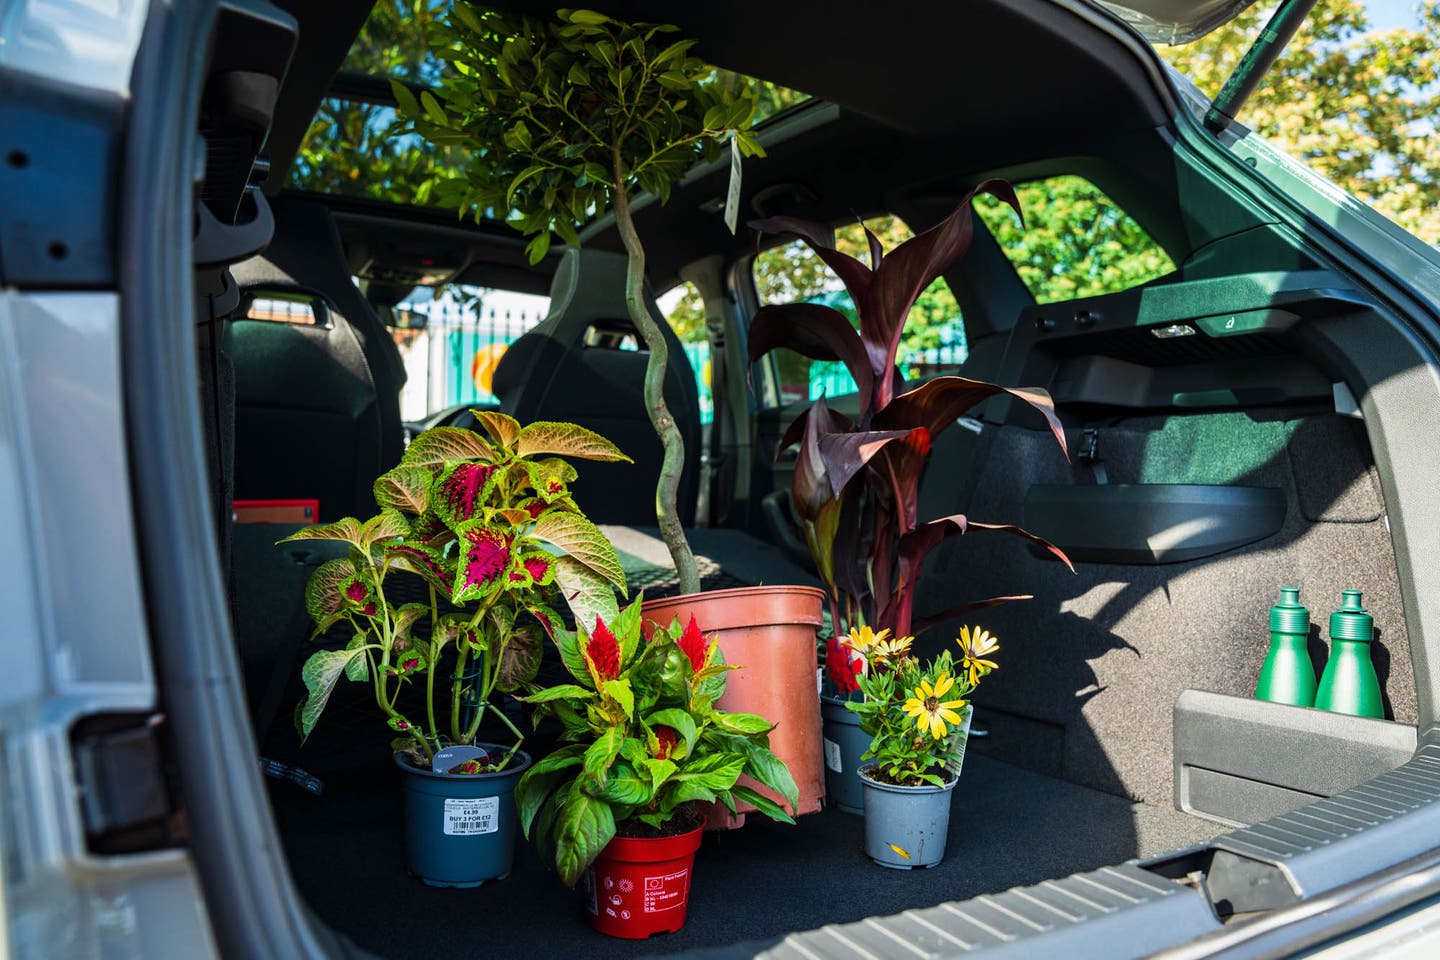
[
  {"x": 490, "y": 528},
  {"x": 856, "y": 483},
  {"x": 619, "y": 806},
  {"x": 918, "y": 718},
  {"x": 588, "y": 112}
]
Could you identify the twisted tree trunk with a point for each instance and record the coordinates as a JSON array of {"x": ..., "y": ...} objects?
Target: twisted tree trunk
[{"x": 667, "y": 491}]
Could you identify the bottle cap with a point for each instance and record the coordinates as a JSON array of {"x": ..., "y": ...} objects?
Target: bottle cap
[
  {"x": 1288, "y": 616},
  {"x": 1351, "y": 621}
]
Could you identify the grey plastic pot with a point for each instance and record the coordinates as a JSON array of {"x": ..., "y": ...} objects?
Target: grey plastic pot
[
  {"x": 460, "y": 830},
  {"x": 905, "y": 827},
  {"x": 845, "y": 742}
]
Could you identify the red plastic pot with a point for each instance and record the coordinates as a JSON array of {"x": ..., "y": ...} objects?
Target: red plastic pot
[{"x": 640, "y": 887}]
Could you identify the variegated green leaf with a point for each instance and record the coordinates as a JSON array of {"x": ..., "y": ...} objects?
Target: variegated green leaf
[
  {"x": 324, "y": 599},
  {"x": 587, "y": 594},
  {"x": 319, "y": 674},
  {"x": 583, "y": 541},
  {"x": 503, "y": 429},
  {"x": 567, "y": 440},
  {"x": 406, "y": 489},
  {"x": 357, "y": 668},
  {"x": 438, "y": 444},
  {"x": 386, "y": 525},
  {"x": 348, "y": 530}
]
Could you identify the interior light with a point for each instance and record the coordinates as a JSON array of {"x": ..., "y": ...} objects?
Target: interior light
[{"x": 1173, "y": 331}]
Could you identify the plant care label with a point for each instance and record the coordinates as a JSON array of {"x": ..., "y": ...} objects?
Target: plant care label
[
  {"x": 832, "y": 756},
  {"x": 667, "y": 892},
  {"x": 451, "y": 757},
  {"x": 732, "y": 195},
  {"x": 465, "y": 818}
]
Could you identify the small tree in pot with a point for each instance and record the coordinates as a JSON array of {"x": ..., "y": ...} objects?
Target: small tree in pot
[{"x": 587, "y": 112}]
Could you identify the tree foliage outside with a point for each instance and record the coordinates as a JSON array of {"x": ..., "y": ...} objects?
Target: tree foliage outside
[{"x": 1358, "y": 106}]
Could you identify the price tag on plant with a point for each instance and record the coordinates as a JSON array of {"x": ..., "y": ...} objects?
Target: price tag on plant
[
  {"x": 465, "y": 818},
  {"x": 732, "y": 196}
]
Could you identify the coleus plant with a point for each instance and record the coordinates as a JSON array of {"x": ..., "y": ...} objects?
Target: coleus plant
[
  {"x": 489, "y": 524},
  {"x": 856, "y": 483},
  {"x": 645, "y": 739}
]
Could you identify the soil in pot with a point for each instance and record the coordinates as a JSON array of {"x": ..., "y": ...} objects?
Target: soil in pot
[
  {"x": 460, "y": 829},
  {"x": 640, "y": 885}
]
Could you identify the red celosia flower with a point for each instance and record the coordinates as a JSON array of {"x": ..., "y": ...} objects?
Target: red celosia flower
[
  {"x": 666, "y": 737},
  {"x": 839, "y": 668},
  {"x": 694, "y": 645},
  {"x": 603, "y": 652}
]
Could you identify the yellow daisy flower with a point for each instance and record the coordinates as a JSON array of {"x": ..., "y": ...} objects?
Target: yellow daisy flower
[
  {"x": 862, "y": 639},
  {"x": 930, "y": 712},
  {"x": 886, "y": 650},
  {"x": 974, "y": 647}
]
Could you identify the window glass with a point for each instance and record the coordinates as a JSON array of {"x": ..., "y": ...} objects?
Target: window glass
[
  {"x": 1075, "y": 241},
  {"x": 451, "y": 359},
  {"x": 355, "y": 148},
  {"x": 1354, "y": 97},
  {"x": 934, "y": 340},
  {"x": 685, "y": 312}
]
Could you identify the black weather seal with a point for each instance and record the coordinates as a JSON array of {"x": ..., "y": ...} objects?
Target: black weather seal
[{"x": 253, "y": 908}]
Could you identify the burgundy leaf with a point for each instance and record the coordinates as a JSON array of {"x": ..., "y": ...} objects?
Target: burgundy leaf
[
  {"x": 921, "y": 624},
  {"x": 835, "y": 422},
  {"x": 877, "y": 252},
  {"x": 541, "y": 567},
  {"x": 908, "y": 270},
  {"x": 845, "y": 454},
  {"x": 814, "y": 331},
  {"x": 938, "y": 403},
  {"x": 1025, "y": 534},
  {"x": 359, "y": 597},
  {"x": 820, "y": 238}
]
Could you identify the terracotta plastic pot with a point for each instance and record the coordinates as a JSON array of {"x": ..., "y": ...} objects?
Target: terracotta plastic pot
[
  {"x": 770, "y": 631},
  {"x": 640, "y": 887}
]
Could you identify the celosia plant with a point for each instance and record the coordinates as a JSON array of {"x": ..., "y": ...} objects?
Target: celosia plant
[
  {"x": 490, "y": 526},
  {"x": 647, "y": 742},
  {"x": 913, "y": 710}
]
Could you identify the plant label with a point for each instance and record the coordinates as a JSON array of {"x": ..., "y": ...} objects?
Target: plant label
[
  {"x": 732, "y": 196},
  {"x": 464, "y": 818},
  {"x": 832, "y": 756},
  {"x": 451, "y": 757},
  {"x": 667, "y": 892}
]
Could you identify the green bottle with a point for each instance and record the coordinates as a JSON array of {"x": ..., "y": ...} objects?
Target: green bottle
[
  {"x": 1288, "y": 676},
  {"x": 1349, "y": 684}
]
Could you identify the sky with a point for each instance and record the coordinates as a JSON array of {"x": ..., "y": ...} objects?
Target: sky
[{"x": 1385, "y": 14}]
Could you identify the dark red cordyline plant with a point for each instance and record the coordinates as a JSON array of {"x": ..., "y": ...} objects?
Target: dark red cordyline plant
[{"x": 856, "y": 483}]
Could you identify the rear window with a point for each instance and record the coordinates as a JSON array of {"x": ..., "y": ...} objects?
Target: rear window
[{"x": 1075, "y": 242}]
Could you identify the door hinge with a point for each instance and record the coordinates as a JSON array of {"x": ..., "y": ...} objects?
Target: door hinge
[{"x": 129, "y": 796}]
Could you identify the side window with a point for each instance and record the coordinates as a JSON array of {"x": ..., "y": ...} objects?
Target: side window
[
  {"x": 1075, "y": 242},
  {"x": 452, "y": 340},
  {"x": 685, "y": 312},
  {"x": 934, "y": 340}
]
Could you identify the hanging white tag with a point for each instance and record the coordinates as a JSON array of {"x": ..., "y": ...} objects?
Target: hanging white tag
[{"x": 732, "y": 196}]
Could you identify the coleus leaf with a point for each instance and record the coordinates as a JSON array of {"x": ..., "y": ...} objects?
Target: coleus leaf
[
  {"x": 357, "y": 668},
  {"x": 503, "y": 428},
  {"x": 403, "y": 619},
  {"x": 319, "y": 675},
  {"x": 583, "y": 541},
  {"x": 484, "y": 558},
  {"x": 324, "y": 599},
  {"x": 423, "y": 560},
  {"x": 348, "y": 530},
  {"x": 520, "y": 658},
  {"x": 358, "y": 596},
  {"x": 567, "y": 440},
  {"x": 587, "y": 593},
  {"x": 438, "y": 445},
  {"x": 406, "y": 489},
  {"x": 460, "y": 491}
]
